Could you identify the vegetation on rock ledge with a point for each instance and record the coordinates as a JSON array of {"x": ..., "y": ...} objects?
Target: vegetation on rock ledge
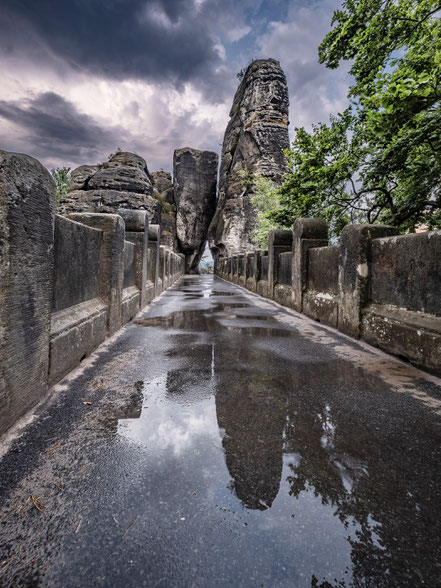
[{"x": 62, "y": 180}]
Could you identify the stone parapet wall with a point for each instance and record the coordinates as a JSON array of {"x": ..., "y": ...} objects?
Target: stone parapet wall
[
  {"x": 374, "y": 285},
  {"x": 66, "y": 283}
]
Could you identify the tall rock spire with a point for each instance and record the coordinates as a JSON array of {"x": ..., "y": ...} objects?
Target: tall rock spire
[
  {"x": 195, "y": 179},
  {"x": 253, "y": 142}
]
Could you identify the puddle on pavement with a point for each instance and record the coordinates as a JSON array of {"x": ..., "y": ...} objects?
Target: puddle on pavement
[{"x": 273, "y": 477}]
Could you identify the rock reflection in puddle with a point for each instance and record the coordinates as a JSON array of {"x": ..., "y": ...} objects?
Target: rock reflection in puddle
[
  {"x": 236, "y": 472},
  {"x": 287, "y": 454}
]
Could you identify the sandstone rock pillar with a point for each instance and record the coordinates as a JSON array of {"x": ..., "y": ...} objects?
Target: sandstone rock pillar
[
  {"x": 195, "y": 180},
  {"x": 253, "y": 142}
]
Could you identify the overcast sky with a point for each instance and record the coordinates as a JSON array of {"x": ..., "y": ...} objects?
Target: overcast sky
[{"x": 79, "y": 78}]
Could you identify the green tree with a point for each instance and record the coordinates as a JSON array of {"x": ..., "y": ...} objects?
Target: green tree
[
  {"x": 266, "y": 199},
  {"x": 62, "y": 180},
  {"x": 380, "y": 160},
  {"x": 206, "y": 265}
]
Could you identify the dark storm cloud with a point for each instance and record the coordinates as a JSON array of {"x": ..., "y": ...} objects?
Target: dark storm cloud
[
  {"x": 52, "y": 125},
  {"x": 164, "y": 40}
]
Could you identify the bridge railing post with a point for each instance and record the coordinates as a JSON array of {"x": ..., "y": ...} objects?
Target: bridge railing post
[
  {"x": 279, "y": 241},
  {"x": 258, "y": 265},
  {"x": 307, "y": 233},
  {"x": 354, "y": 273},
  {"x": 153, "y": 244},
  {"x": 250, "y": 271},
  {"x": 137, "y": 232},
  {"x": 112, "y": 261},
  {"x": 234, "y": 269},
  {"x": 162, "y": 268},
  {"x": 229, "y": 270},
  {"x": 167, "y": 268},
  {"x": 27, "y": 206}
]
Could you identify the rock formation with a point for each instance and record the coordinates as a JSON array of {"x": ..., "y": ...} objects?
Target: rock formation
[
  {"x": 253, "y": 143},
  {"x": 163, "y": 183},
  {"x": 122, "y": 182},
  {"x": 195, "y": 179},
  {"x": 164, "y": 192}
]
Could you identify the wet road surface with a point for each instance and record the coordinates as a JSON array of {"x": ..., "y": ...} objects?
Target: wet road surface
[{"x": 221, "y": 440}]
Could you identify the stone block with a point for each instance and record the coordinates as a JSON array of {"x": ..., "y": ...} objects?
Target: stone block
[
  {"x": 413, "y": 335},
  {"x": 112, "y": 267},
  {"x": 321, "y": 306},
  {"x": 279, "y": 241},
  {"x": 406, "y": 271},
  {"x": 307, "y": 233},
  {"x": 134, "y": 220},
  {"x": 130, "y": 303},
  {"x": 27, "y": 204},
  {"x": 129, "y": 264},
  {"x": 162, "y": 267},
  {"x": 75, "y": 332},
  {"x": 154, "y": 244},
  {"x": 77, "y": 259},
  {"x": 354, "y": 270}
]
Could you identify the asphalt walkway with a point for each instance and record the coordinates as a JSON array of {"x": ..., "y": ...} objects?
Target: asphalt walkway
[{"x": 221, "y": 440}]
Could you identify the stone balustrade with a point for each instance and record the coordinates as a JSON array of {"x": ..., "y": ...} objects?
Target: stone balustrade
[
  {"x": 375, "y": 285},
  {"x": 66, "y": 282}
]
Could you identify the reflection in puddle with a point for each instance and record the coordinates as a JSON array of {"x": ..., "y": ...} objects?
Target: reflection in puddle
[
  {"x": 165, "y": 426},
  {"x": 303, "y": 466},
  {"x": 220, "y": 293}
]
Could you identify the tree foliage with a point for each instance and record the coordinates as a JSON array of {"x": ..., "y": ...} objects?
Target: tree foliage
[
  {"x": 206, "y": 265},
  {"x": 380, "y": 160},
  {"x": 267, "y": 202},
  {"x": 62, "y": 180}
]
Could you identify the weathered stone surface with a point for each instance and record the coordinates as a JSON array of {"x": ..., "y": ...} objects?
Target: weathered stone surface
[
  {"x": 77, "y": 259},
  {"x": 80, "y": 176},
  {"x": 322, "y": 273},
  {"x": 162, "y": 181},
  {"x": 195, "y": 177},
  {"x": 121, "y": 177},
  {"x": 130, "y": 159},
  {"x": 253, "y": 142},
  {"x": 279, "y": 241},
  {"x": 354, "y": 273},
  {"x": 406, "y": 271},
  {"x": 112, "y": 268},
  {"x": 414, "y": 335},
  {"x": 27, "y": 202},
  {"x": 121, "y": 182},
  {"x": 75, "y": 332},
  {"x": 110, "y": 201},
  {"x": 307, "y": 233},
  {"x": 135, "y": 220}
]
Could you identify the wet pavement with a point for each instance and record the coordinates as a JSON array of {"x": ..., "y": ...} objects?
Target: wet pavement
[{"x": 221, "y": 440}]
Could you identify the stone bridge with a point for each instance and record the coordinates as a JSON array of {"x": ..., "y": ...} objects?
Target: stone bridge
[
  {"x": 246, "y": 428},
  {"x": 218, "y": 438}
]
